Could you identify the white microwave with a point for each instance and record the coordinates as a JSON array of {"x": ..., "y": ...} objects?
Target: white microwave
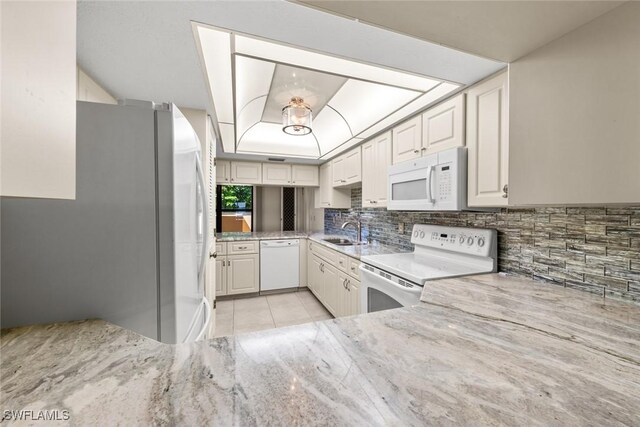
[{"x": 437, "y": 182}]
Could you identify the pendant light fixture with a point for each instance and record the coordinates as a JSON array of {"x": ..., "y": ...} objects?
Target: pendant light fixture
[{"x": 296, "y": 117}]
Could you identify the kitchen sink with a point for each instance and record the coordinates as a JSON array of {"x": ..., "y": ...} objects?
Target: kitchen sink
[{"x": 342, "y": 242}]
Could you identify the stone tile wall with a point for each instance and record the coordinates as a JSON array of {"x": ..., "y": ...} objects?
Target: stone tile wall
[{"x": 595, "y": 249}]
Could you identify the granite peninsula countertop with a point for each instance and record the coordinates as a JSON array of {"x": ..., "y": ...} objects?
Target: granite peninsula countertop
[
  {"x": 480, "y": 350},
  {"x": 354, "y": 251}
]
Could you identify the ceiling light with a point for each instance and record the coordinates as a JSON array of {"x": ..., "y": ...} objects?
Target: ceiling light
[{"x": 296, "y": 117}]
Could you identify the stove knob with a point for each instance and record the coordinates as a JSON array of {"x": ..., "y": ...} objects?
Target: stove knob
[
  {"x": 422, "y": 234},
  {"x": 415, "y": 233},
  {"x": 481, "y": 242},
  {"x": 462, "y": 239},
  {"x": 470, "y": 241}
]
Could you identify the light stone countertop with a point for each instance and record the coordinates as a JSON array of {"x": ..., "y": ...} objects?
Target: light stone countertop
[
  {"x": 354, "y": 251},
  {"x": 481, "y": 350}
]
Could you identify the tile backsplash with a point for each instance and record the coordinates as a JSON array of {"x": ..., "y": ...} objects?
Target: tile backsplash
[{"x": 595, "y": 249}]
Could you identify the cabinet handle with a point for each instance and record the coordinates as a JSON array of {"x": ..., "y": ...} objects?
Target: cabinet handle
[
  {"x": 242, "y": 247},
  {"x": 416, "y": 151},
  {"x": 423, "y": 148},
  {"x": 213, "y": 255},
  {"x": 231, "y": 179},
  {"x": 344, "y": 283},
  {"x": 353, "y": 268},
  {"x": 505, "y": 190}
]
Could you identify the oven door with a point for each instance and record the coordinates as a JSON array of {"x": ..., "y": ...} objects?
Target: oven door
[
  {"x": 411, "y": 184},
  {"x": 382, "y": 291}
]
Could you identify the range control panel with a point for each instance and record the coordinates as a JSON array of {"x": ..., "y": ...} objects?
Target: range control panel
[{"x": 473, "y": 241}]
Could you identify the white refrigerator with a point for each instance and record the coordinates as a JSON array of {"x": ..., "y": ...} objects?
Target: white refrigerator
[{"x": 132, "y": 248}]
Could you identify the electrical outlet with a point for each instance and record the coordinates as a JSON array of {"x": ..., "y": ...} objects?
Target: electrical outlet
[{"x": 401, "y": 227}]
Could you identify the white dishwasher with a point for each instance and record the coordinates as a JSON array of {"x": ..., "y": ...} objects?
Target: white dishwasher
[{"x": 279, "y": 264}]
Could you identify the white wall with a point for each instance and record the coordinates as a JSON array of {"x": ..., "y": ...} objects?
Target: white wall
[
  {"x": 575, "y": 115},
  {"x": 38, "y": 99}
]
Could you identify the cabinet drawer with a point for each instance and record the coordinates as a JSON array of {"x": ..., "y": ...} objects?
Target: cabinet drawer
[
  {"x": 243, "y": 247},
  {"x": 343, "y": 262},
  {"x": 354, "y": 268},
  {"x": 324, "y": 252},
  {"x": 221, "y": 248}
]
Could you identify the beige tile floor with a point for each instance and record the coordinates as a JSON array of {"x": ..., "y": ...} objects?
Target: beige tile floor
[{"x": 267, "y": 312}]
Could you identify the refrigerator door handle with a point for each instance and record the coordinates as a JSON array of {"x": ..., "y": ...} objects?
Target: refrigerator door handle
[
  {"x": 207, "y": 313},
  {"x": 205, "y": 219}
]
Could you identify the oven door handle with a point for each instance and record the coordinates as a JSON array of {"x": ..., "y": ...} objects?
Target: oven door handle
[{"x": 403, "y": 288}]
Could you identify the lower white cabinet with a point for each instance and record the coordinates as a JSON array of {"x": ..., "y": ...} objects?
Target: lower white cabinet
[
  {"x": 243, "y": 274},
  {"x": 348, "y": 295},
  {"x": 239, "y": 273},
  {"x": 335, "y": 284}
]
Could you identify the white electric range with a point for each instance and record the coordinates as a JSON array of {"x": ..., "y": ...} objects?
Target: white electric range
[{"x": 397, "y": 280}]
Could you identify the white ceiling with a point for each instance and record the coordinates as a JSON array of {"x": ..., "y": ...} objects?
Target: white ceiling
[
  {"x": 146, "y": 50},
  {"x": 502, "y": 30}
]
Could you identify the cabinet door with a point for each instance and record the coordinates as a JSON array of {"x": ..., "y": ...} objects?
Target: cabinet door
[
  {"x": 276, "y": 174},
  {"x": 331, "y": 293},
  {"x": 246, "y": 173},
  {"x": 338, "y": 171},
  {"x": 304, "y": 175},
  {"x": 326, "y": 185},
  {"x": 488, "y": 142},
  {"x": 243, "y": 274},
  {"x": 353, "y": 297},
  {"x": 443, "y": 126},
  {"x": 353, "y": 166},
  {"x": 315, "y": 276},
  {"x": 407, "y": 140},
  {"x": 221, "y": 276},
  {"x": 369, "y": 175},
  {"x": 223, "y": 171},
  {"x": 382, "y": 163}
]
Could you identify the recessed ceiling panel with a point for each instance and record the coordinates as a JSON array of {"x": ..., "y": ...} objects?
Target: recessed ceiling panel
[
  {"x": 314, "y": 87},
  {"x": 330, "y": 129},
  {"x": 253, "y": 79},
  {"x": 330, "y": 64},
  {"x": 268, "y": 138},
  {"x": 362, "y": 102}
]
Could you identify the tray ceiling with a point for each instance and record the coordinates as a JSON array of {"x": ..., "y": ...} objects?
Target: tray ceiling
[{"x": 252, "y": 79}]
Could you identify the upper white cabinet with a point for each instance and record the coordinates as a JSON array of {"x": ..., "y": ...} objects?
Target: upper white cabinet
[
  {"x": 38, "y": 96},
  {"x": 488, "y": 142},
  {"x": 327, "y": 196},
  {"x": 256, "y": 173},
  {"x": 376, "y": 158},
  {"x": 246, "y": 173},
  {"x": 347, "y": 169},
  {"x": 276, "y": 174},
  {"x": 443, "y": 126},
  {"x": 223, "y": 171},
  {"x": 407, "y": 140},
  {"x": 304, "y": 175}
]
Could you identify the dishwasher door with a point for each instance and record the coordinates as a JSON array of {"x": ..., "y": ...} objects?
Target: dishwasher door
[{"x": 279, "y": 264}]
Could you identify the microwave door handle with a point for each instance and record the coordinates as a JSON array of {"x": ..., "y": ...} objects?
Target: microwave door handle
[{"x": 429, "y": 184}]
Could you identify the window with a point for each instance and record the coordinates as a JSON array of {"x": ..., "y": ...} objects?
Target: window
[{"x": 234, "y": 208}]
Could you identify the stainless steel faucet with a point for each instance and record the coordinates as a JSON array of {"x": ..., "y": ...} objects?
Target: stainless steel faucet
[{"x": 358, "y": 226}]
